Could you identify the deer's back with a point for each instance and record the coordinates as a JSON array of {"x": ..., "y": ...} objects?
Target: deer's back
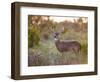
[{"x": 64, "y": 46}]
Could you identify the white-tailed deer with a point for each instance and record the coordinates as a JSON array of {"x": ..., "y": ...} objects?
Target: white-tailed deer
[{"x": 67, "y": 45}]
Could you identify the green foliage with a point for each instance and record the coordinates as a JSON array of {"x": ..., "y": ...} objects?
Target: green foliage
[
  {"x": 84, "y": 48},
  {"x": 33, "y": 37}
]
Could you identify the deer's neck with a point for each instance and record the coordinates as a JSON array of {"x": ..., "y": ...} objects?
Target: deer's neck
[{"x": 57, "y": 40}]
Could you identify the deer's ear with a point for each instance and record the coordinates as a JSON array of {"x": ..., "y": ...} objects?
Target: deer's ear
[{"x": 64, "y": 30}]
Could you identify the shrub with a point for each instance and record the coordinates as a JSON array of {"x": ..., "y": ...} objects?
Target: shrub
[
  {"x": 84, "y": 48},
  {"x": 33, "y": 37}
]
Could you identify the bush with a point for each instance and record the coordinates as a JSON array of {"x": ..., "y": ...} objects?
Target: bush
[
  {"x": 33, "y": 37},
  {"x": 84, "y": 48}
]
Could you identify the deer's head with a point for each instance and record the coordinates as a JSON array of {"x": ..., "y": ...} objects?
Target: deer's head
[{"x": 56, "y": 34}]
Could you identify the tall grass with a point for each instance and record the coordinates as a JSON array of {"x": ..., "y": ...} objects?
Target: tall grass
[{"x": 47, "y": 54}]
